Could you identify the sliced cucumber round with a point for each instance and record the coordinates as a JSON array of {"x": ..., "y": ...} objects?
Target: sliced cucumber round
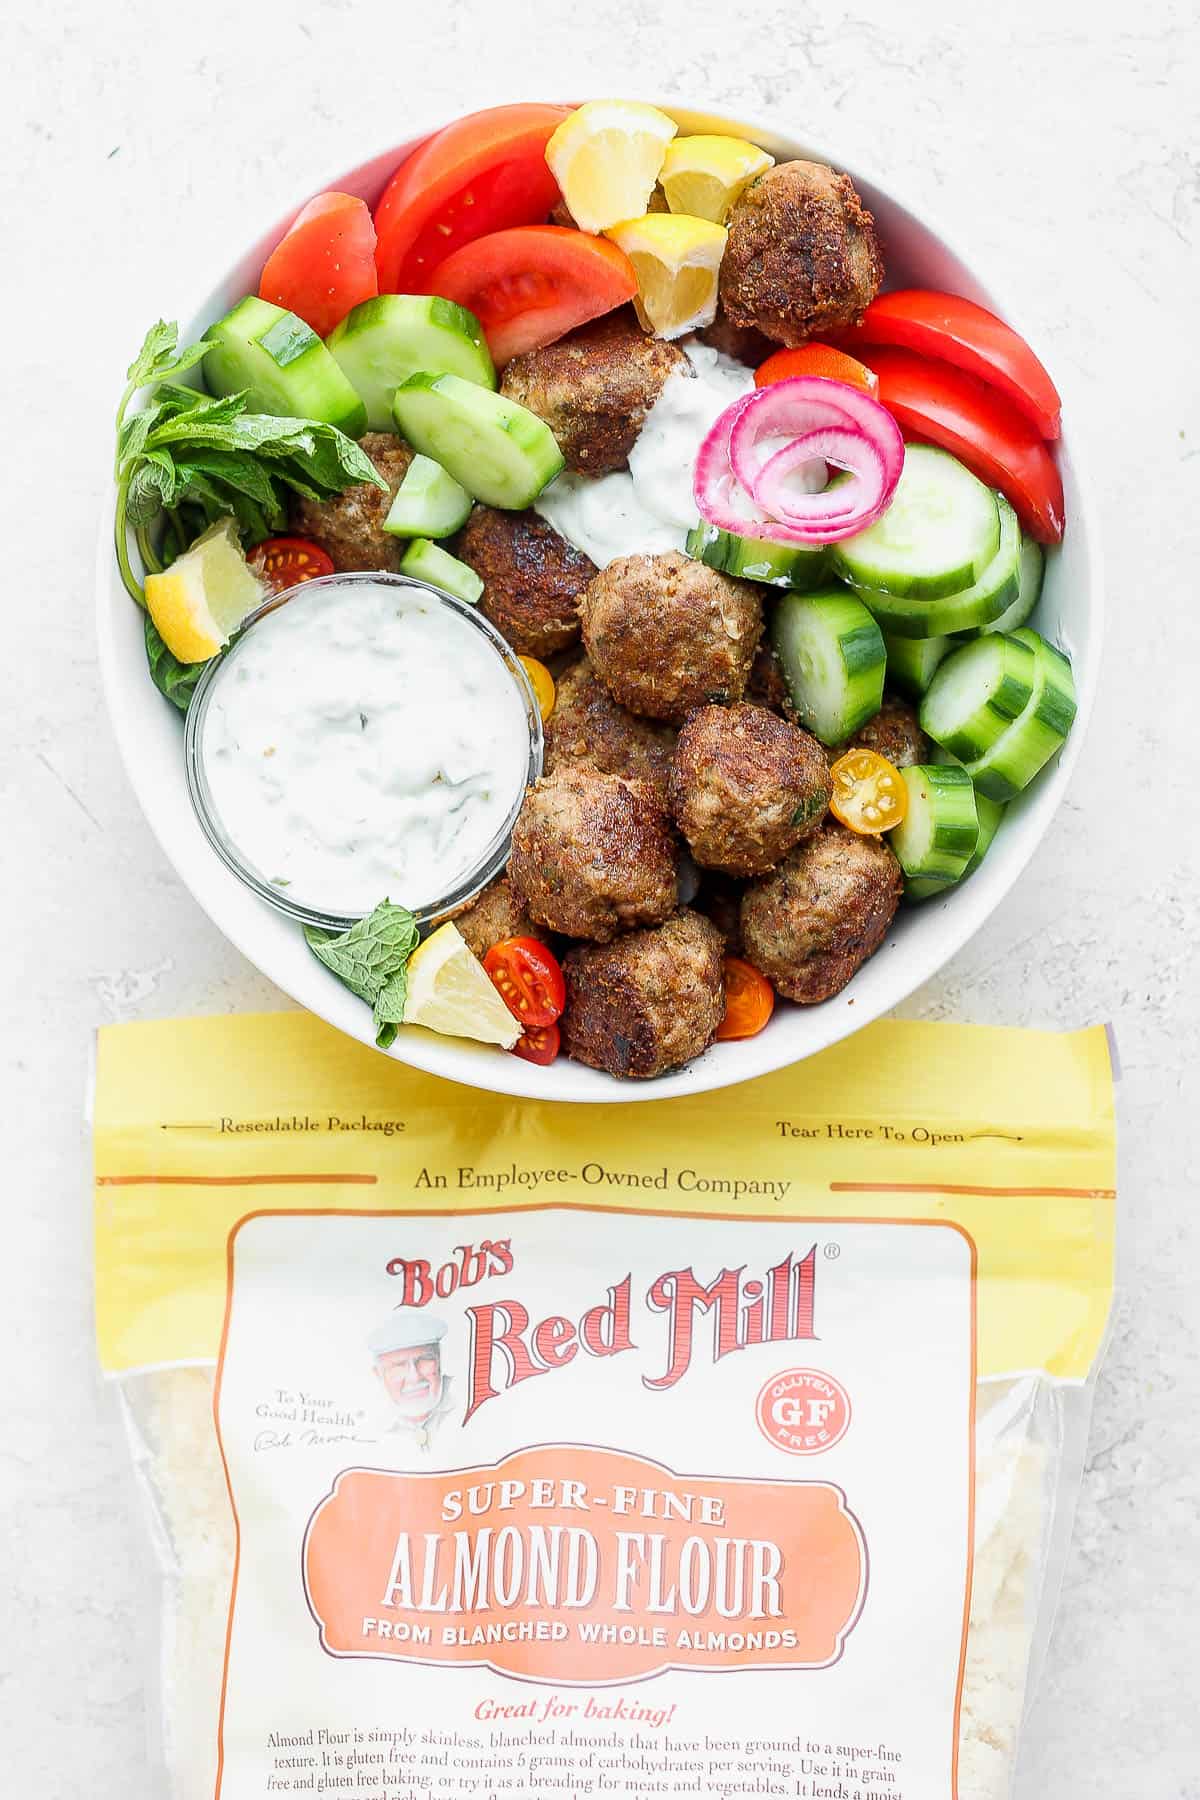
[
  {"x": 938, "y": 535},
  {"x": 912, "y": 662},
  {"x": 977, "y": 693},
  {"x": 282, "y": 366},
  {"x": 381, "y": 342},
  {"x": 501, "y": 452},
  {"x": 832, "y": 657},
  {"x": 1042, "y": 727},
  {"x": 977, "y": 605},
  {"x": 936, "y": 838},
  {"x": 429, "y": 562},
  {"x": 1030, "y": 572},
  {"x": 990, "y": 813},
  {"x": 429, "y": 502},
  {"x": 753, "y": 559}
]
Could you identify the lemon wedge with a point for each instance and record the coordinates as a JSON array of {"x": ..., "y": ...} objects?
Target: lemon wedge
[
  {"x": 704, "y": 176},
  {"x": 606, "y": 156},
  {"x": 678, "y": 260},
  {"x": 449, "y": 992},
  {"x": 199, "y": 602}
]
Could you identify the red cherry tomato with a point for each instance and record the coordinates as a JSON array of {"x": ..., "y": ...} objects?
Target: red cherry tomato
[
  {"x": 480, "y": 174},
  {"x": 282, "y": 562},
  {"x": 539, "y": 1044},
  {"x": 944, "y": 405},
  {"x": 529, "y": 980},
  {"x": 749, "y": 1000},
  {"x": 325, "y": 264},
  {"x": 957, "y": 331},
  {"x": 531, "y": 285},
  {"x": 815, "y": 359}
]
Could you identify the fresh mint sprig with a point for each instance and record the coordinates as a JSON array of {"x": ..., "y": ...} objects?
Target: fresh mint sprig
[{"x": 371, "y": 959}]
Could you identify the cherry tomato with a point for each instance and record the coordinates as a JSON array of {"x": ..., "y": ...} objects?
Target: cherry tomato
[
  {"x": 480, "y": 174},
  {"x": 529, "y": 980},
  {"x": 869, "y": 794},
  {"x": 944, "y": 405},
  {"x": 531, "y": 285},
  {"x": 282, "y": 562},
  {"x": 957, "y": 331},
  {"x": 538, "y": 1044},
  {"x": 749, "y": 1000},
  {"x": 325, "y": 263},
  {"x": 816, "y": 359},
  {"x": 542, "y": 683}
]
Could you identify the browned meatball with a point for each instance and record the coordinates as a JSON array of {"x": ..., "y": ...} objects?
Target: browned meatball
[
  {"x": 532, "y": 578},
  {"x": 592, "y": 855},
  {"x": 812, "y": 923},
  {"x": 349, "y": 528},
  {"x": 802, "y": 257},
  {"x": 745, "y": 787},
  {"x": 743, "y": 343},
  {"x": 894, "y": 732},
  {"x": 588, "y": 726},
  {"x": 767, "y": 686},
  {"x": 494, "y": 915},
  {"x": 647, "y": 1003},
  {"x": 594, "y": 388},
  {"x": 666, "y": 634}
]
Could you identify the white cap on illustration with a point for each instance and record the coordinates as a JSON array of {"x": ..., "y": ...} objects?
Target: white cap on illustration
[{"x": 405, "y": 1330}]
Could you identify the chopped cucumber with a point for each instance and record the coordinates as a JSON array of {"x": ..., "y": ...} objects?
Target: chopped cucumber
[
  {"x": 990, "y": 813},
  {"x": 1011, "y": 763},
  {"x": 282, "y": 365},
  {"x": 429, "y": 504},
  {"x": 832, "y": 657},
  {"x": 911, "y": 662},
  {"x": 1031, "y": 569},
  {"x": 936, "y": 838},
  {"x": 753, "y": 559},
  {"x": 977, "y": 693},
  {"x": 501, "y": 452},
  {"x": 381, "y": 342},
  {"x": 977, "y": 605},
  {"x": 938, "y": 535},
  {"x": 429, "y": 562}
]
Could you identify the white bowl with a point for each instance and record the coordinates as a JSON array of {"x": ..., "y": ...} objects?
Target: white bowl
[{"x": 149, "y": 734}]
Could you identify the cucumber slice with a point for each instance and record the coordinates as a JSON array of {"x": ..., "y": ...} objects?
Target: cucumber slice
[
  {"x": 990, "y": 813},
  {"x": 778, "y": 565},
  {"x": 936, "y": 838},
  {"x": 282, "y": 366},
  {"x": 429, "y": 503},
  {"x": 381, "y": 342},
  {"x": 429, "y": 562},
  {"x": 501, "y": 452},
  {"x": 911, "y": 662},
  {"x": 832, "y": 657},
  {"x": 977, "y": 605},
  {"x": 939, "y": 534},
  {"x": 977, "y": 693},
  {"x": 1030, "y": 572},
  {"x": 1042, "y": 728}
]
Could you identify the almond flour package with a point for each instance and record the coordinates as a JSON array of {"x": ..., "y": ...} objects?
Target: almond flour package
[{"x": 721, "y": 1446}]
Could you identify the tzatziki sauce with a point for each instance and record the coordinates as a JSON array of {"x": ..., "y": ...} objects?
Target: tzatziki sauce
[
  {"x": 650, "y": 507},
  {"x": 364, "y": 741}
]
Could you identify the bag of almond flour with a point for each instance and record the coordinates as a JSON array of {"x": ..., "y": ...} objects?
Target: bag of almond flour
[{"x": 724, "y": 1446}]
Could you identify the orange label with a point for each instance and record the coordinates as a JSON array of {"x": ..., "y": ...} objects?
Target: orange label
[{"x": 571, "y": 1563}]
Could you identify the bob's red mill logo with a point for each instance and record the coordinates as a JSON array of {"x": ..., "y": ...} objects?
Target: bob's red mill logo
[{"x": 729, "y": 1312}]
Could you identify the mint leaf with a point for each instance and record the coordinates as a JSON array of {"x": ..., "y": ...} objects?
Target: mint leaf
[
  {"x": 389, "y": 1007},
  {"x": 157, "y": 346},
  {"x": 371, "y": 959},
  {"x": 171, "y": 677}
]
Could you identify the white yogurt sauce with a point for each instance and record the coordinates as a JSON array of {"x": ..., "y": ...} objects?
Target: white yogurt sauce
[
  {"x": 364, "y": 742},
  {"x": 650, "y": 507}
]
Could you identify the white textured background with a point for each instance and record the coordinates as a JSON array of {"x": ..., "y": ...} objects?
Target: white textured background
[{"x": 142, "y": 144}]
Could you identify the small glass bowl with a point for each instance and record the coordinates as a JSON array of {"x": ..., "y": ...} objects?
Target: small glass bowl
[{"x": 490, "y": 864}]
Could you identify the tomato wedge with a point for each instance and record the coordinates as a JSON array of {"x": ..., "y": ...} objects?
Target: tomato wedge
[
  {"x": 943, "y": 405},
  {"x": 957, "y": 331},
  {"x": 325, "y": 263},
  {"x": 749, "y": 1000},
  {"x": 283, "y": 562},
  {"x": 815, "y": 359},
  {"x": 528, "y": 979},
  {"x": 531, "y": 285},
  {"x": 538, "y": 1044},
  {"x": 483, "y": 173}
]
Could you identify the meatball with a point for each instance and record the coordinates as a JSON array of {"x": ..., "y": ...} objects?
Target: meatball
[
  {"x": 647, "y": 1003},
  {"x": 666, "y": 634},
  {"x": 349, "y": 528},
  {"x": 745, "y": 787},
  {"x": 592, "y": 855},
  {"x": 594, "y": 388},
  {"x": 767, "y": 686},
  {"x": 493, "y": 915},
  {"x": 588, "y": 726},
  {"x": 812, "y": 923},
  {"x": 802, "y": 257},
  {"x": 532, "y": 578},
  {"x": 720, "y": 899},
  {"x": 743, "y": 343},
  {"x": 894, "y": 732}
]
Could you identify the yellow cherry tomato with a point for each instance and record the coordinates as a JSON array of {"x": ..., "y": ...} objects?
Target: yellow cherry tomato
[
  {"x": 542, "y": 683},
  {"x": 868, "y": 793}
]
